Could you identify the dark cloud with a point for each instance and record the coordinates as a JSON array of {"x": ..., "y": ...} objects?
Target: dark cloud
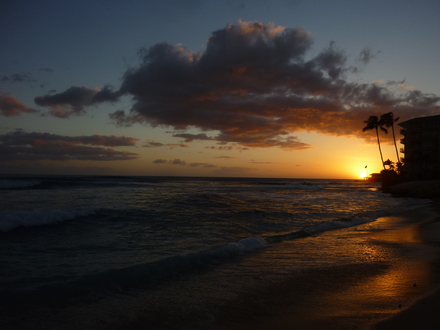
[
  {"x": 177, "y": 162},
  {"x": 191, "y": 137},
  {"x": 20, "y": 145},
  {"x": 172, "y": 162},
  {"x": 154, "y": 144},
  {"x": 225, "y": 89},
  {"x": 10, "y": 106},
  {"x": 75, "y": 99},
  {"x": 394, "y": 82},
  {"x": 366, "y": 55},
  {"x": 220, "y": 148},
  {"x": 46, "y": 69},
  {"x": 18, "y": 77},
  {"x": 254, "y": 86},
  {"x": 331, "y": 61}
]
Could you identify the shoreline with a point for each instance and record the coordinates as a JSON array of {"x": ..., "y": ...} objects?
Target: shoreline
[
  {"x": 362, "y": 295},
  {"x": 368, "y": 295}
]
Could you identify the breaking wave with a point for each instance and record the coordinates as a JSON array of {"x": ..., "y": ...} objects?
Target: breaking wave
[{"x": 12, "y": 220}]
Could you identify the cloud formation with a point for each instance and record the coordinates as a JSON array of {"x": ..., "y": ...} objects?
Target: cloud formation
[
  {"x": 18, "y": 77},
  {"x": 155, "y": 144},
  {"x": 191, "y": 137},
  {"x": 75, "y": 99},
  {"x": 205, "y": 165},
  {"x": 366, "y": 55},
  {"x": 20, "y": 145},
  {"x": 10, "y": 106},
  {"x": 225, "y": 157},
  {"x": 253, "y": 85},
  {"x": 221, "y": 148},
  {"x": 172, "y": 162},
  {"x": 178, "y": 162}
]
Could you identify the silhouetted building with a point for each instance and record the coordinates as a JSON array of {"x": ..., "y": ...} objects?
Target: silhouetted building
[
  {"x": 375, "y": 177},
  {"x": 422, "y": 148}
]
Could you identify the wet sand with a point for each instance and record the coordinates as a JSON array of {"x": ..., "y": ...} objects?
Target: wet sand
[{"x": 424, "y": 313}]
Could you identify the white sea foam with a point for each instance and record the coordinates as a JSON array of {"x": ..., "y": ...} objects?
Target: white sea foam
[
  {"x": 9, "y": 184},
  {"x": 12, "y": 220},
  {"x": 411, "y": 203}
]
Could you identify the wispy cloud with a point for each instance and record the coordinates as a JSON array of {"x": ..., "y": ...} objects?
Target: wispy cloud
[
  {"x": 205, "y": 165},
  {"x": 220, "y": 147},
  {"x": 171, "y": 162},
  {"x": 155, "y": 144},
  {"x": 10, "y": 106},
  {"x": 225, "y": 157},
  {"x": 18, "y": 78},
  {"x": 366, "y": 55},
  {"x": 191, "y": 137}
]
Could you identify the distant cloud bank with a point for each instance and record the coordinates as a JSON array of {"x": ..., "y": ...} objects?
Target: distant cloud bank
[{"x": 20, "y": 145}]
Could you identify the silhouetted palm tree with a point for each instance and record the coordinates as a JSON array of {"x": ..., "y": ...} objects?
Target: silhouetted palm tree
[
  {"x": 373, "y": 122},
  {"x": 390, "y": 164},
  {"x": 388, "y": 121}
]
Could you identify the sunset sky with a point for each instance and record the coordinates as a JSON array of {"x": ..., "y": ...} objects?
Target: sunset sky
[{"x": 255, "y": 88}]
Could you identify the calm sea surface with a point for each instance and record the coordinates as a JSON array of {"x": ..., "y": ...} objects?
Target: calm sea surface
[{"x": 70, "y": 242}]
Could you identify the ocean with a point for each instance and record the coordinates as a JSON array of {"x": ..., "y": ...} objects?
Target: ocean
[{"x": 92, "y": 252}]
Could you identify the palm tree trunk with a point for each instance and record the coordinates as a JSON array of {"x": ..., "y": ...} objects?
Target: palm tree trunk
[{"x": 380, "y": 149}]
